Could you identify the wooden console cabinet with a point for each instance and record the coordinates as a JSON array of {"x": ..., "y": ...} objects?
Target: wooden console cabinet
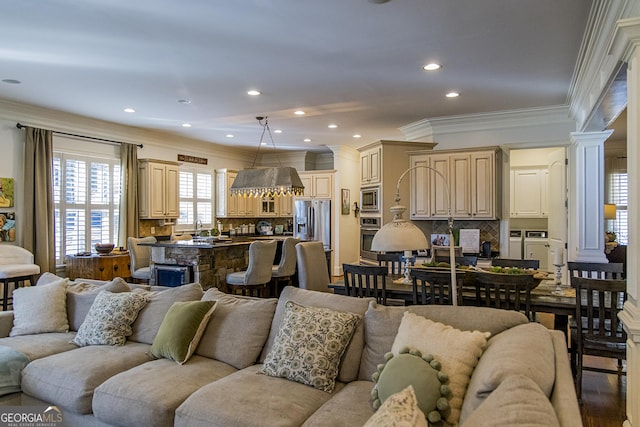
[{"x": 98, "y": 267}]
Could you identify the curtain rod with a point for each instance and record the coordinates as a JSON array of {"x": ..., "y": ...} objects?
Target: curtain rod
[{"x": 109, "y": 141}]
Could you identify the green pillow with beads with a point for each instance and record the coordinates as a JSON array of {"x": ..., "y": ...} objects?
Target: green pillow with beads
[{"x": 410, "y": 367}]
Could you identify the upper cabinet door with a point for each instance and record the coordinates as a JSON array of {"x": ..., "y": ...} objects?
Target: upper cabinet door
[
  {"x": 370, "y": 166},
  {"x": 527, "y": 193},
  {"x": 440, "y": 201},
  {"x": 460, "y": 182},
  {"x": 483, "y": 185},
  {"x": 420, "y": 206}
]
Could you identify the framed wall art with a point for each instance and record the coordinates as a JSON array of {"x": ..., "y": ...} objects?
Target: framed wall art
[
  {"x": 346, "y": 201},
  {"x": 7, "y": 226},
  {"x": 6, "y": 192}
]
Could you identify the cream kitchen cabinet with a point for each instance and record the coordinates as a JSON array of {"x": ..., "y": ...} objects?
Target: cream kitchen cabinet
[
  {"x": 370, "y": 166},
  {"x": 228, "y": 206},
  {"x": 472, "y": 180},
  {"x": 317, "y": 184},
  {"x": 158, "y": 189},
  {"x": 529, "y": 193}
]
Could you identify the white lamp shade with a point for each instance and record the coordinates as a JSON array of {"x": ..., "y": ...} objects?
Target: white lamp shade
[{"x": 399, "y": 235}]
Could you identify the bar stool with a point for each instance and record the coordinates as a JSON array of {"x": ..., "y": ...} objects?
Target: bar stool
[
  {"x": 258, "y": 273},
  {"x": 283, "y": 272},
  {"x": 16, "y": 266}
]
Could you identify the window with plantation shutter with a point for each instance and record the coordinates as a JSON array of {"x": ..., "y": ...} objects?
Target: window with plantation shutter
[
  {"x": 86, "y": 193},
  {"x": 618, "y": 186},
  {"x": 196, "y": 198}
]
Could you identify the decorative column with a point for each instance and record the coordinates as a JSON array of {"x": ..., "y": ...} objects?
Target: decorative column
[{"x": 586, "y": 202}]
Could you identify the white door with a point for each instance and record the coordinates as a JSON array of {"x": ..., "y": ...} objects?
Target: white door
[{"x": 556, "y": 197}]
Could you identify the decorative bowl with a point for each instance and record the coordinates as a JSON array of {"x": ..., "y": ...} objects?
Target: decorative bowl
[{"x": 104, "y": 248}]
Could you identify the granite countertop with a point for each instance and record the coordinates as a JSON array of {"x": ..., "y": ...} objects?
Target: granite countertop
[{"x": 205, "y": 242}]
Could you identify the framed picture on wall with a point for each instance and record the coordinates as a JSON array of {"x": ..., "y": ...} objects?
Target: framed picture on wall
[
  {"x": 6, "y": 192},
  {"x": 346, "y": 201},
  {"x": 7, "y": 226}
]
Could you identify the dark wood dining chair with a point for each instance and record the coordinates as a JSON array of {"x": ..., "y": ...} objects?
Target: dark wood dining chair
[
  {"x": 504, "y": 291},
  {"x": 394, "y": 261},
  {"x": 460, "y": 260},
  {"x": 434, "y": 287},
  {"x": 365, "y": 281},
  {"x": 598, "y": 331},
  {"x": 595, "y": 270},
  {"x": 531, "y": 264}
]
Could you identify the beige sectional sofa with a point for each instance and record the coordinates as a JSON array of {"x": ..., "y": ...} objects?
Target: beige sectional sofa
[{"x": 523, "y": 376}]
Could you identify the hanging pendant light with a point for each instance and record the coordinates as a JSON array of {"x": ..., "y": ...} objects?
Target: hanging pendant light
[{"x": 267, "y": 182}]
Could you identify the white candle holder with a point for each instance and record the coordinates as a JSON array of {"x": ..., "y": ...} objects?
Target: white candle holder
[{"x": 558, "y": 277}]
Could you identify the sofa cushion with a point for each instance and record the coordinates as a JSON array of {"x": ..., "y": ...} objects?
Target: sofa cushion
[
  {"x": 516, "y": 401},
  {"x": 246, "y": 398},
  {"x": 181, "y": 329},
  {"x": 109, "y": 319},
  {"x": 524, "y": 349},
  {"x": 458, "y": 352},
  {"x": 11, "y": 364},
  {"x": 150, "y": 317},
  {"x": 141, "y": 396},
  {"x": 238, "y": 322},
  {"x": 382, "y": 322},
  {"x": 68, "y": 379},
  {"x": 351, "y": 360},
  {"x": 310, "y": 344},
  {"x": 40, "y": 309},
  {"x": 350, "y": 406},
  {"x": 80, "y": 296},
  {"x": 40, "y": 345},
  {"x": 399, "y": 410}
]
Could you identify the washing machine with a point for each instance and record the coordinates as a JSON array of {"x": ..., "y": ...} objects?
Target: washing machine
[
  {"x": 536, "y": 246},
  {"x": 515, "y": 244}
]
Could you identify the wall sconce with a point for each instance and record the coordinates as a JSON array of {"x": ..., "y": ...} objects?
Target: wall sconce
[{"x": 356, "y": 209}]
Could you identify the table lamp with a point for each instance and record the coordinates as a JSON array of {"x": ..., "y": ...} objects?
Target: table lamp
[{"x": 401, "y": 235}]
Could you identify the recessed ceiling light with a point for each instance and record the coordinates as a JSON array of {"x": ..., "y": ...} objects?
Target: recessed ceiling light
[
  {"x": 229, "y": 135},
  {"x": 452, "y": 95},
  {"x": 332, "y": 126},
  {"x": 129, "y": 110},
  {"x": 307, "y": 140},
  {"x": 299, "y": 113},
  {"x": 432, "y": 67},
  {"x": 184, "y": 101},
  {"x": 263, "y": 143},
  {"x": 277, "y": 131},
  {"x": 254, "y": 92},
  {"x": 186, "y": 125},
  {"x": 357, "y": 135},
  {"x": 12, "y": 81}
]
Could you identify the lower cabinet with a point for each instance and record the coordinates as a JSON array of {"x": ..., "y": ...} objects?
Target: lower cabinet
[{"x": 98, "y": 267}]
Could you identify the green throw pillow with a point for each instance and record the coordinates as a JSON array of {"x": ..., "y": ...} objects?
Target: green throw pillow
[
  {"x": 410, "y": 367},
  {"x": 181, "y": 330}
]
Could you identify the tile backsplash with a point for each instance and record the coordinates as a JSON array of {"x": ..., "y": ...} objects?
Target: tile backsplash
[{"x": 489, "y": 230}]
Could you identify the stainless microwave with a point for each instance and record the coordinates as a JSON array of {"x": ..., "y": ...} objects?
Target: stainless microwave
[{"x": 370, "y": 199}]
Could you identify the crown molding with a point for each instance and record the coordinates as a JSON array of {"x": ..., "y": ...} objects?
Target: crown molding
[{"x": 497, "y": 120}]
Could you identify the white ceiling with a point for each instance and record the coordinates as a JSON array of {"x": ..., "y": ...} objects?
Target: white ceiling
[{"x": 350, "y": 62}]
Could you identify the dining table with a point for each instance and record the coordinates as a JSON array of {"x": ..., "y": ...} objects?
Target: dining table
[{"x": 546, "y": 297}]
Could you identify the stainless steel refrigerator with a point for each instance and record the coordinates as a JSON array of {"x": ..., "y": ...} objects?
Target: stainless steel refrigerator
[{"x": 312, "y": 220}]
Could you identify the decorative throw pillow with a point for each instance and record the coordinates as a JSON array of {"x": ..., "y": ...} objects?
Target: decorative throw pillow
[
  {"x": 420, "y": 372},
  {"x": 310, "y": 344},
  {"x": 109, "y": 319},
  {"x": 399, "y": 410},
  {"x": 181, "y": 330},
  {"x": 80, "y": 296},
  {"x": 458, "y": 352},
  {"x": 40, "y": 309}
]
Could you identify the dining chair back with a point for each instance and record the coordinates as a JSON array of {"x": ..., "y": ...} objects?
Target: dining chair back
[
  {"x": 365, "y": 281},
  {"x": 595, "y": 270},
  {"x": 598, "y": 332},
  {"x": 504, "y": 291},
  {"x": 394, "y": 261},
  {"x": 460, "y": 260},
  {"x": 140, "y": 257},
  {"x": 254, "y": 279},
  {"x": 527, "y": 264},
  {"x": 312, "y": 266},
  {"x": 433, "y": 287}
]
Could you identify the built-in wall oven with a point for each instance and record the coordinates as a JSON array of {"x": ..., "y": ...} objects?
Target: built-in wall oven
[{"x": 368, "y": 228}]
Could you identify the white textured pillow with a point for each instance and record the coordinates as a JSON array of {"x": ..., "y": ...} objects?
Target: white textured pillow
[
  {"x": 109, "y": 319},
  {"x": 399, "y": 410},
  {"x": 458, "y": 351},
  {"x": 40, "y": 309}
]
